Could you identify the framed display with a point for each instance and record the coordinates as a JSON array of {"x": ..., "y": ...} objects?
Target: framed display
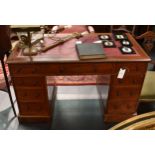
[
  {"x": 127, "y": 50},
  {"x": 109, "y": 44},
  {"x": 104, "y": 37},
  {"x": 126, "y": 42}
]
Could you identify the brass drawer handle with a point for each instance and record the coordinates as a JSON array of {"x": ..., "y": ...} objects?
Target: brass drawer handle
[
  {"x": 34, "y": 70},
  {"x": 37, "y": 95},
  {"x": 39, "y": 108},
  {"x": 137, "y": 68},
  {"x": 117, "y": 93},
  {"x": 115, "y": 107},
  {"x": 94, "y": 69},
  {"x": 128, "y": 106},
  {"x": 25, "y": 94},
  {"x": 27, "y": 108},
  {"x": 134, "y": 81},
  {"x": 131, "y": 93},
  {"x": 21, "y": 83},
  {"x": 120, "y": 81},
  {"x": 19, "y": 70},
  {"x": 61, "y": 69},
  {"x": 36, "y": 83}
]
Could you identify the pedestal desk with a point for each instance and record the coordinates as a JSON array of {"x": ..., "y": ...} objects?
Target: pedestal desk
[{"x": 29, "y": 78}]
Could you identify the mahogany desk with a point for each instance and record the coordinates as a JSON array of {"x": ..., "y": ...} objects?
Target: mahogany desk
[{"x": 29, "y": 79}]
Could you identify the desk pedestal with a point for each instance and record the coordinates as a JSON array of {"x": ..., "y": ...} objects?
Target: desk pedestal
[{"x": 123, "y": 98}]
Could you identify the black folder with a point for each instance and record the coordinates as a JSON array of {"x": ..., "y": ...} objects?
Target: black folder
[{"x": 90, "y": 51}]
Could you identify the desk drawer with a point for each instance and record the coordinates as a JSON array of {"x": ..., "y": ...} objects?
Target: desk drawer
[
  {"x": 104, "y": 68},
  {"x": 30, "y": 94},
  {"x": 24, "y": 69},
  {"x": 33, "y": 108},
  {"x": 122, "y": 106},
  {"x": 29, "y": 81},
  {"x": 85, "y": 68},
  {"x": 34, "y": 69},
  {"x": 136, "y": 67},
  {"x": 128, "y": 79},
  {"x": 128, "y": 92}
]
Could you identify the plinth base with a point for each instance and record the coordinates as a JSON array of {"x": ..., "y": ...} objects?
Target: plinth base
[
  {"x": 32, "y": 119},
  {"x": 117, "y": 117}
]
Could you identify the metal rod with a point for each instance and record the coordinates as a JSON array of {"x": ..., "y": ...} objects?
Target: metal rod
[
  {"x": 29, "y": 41},
  {"x": 8, "y": 86}
]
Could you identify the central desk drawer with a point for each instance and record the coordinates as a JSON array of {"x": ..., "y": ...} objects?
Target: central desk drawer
[
  {"x": 85, "y": 69},
  {"x": 30, "y": 94}
]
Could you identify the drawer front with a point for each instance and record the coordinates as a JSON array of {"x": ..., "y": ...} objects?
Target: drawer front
[
  {"x": 122, "y": 106},
  {"x": 49, "y": 69},
  {"x": 29, "y": 81},
  {"x": 33, "y": 108},
  {"x": 124, "y": 92},
  {"x": 137, "y": 67},
  {"x": 76, "y": 69},
  {"x": 85, "y": 69},
  {"x": 30, "y": 94},
  {"x": 24, "y": 69},
  {"x": 104, "y": 68},
  {"x": 34, "y": 69},
  {"x": 128, "y": 79}
]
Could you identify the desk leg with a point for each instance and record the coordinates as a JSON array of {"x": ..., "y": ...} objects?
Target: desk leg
[{"x": 8, "y": 87}]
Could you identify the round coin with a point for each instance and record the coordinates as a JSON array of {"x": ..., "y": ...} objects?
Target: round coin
[
  {"x": 104, "y": 37},
  {"x": 108, "y": 43},
  {"x": 126, "y": 50},
  {"x": 126, "y": 42},
  {"x": 120, "y": 36}
]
